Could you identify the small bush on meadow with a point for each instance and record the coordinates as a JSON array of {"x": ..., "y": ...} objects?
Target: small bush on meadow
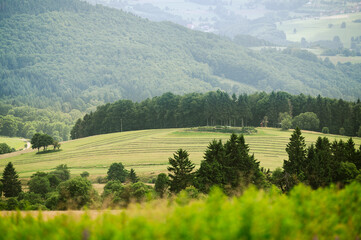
[{"x": 325, "y": 130}]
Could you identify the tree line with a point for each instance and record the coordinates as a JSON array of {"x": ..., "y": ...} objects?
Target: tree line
[
  {"x": 43, "y": 141},
  {"x": 219, "y": 108}
]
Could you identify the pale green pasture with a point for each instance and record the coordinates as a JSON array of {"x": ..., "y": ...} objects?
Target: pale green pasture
[
  {"x": 342, "y": 59},
  {"x": 147, "y": 151},
  {"x": 13, "y": 142},
  {"x": 314, "y": 29}
]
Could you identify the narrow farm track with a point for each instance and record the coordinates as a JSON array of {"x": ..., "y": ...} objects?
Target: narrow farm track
[{"x": 147, "y": 151}]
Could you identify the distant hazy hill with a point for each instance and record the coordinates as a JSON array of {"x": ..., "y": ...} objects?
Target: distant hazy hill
[{"x": 69, "y": 54}]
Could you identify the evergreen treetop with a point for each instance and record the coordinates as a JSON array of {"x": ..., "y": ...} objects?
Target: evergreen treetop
[{"x": 180, "y": 171}]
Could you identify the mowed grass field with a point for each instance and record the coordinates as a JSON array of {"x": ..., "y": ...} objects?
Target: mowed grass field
[
  {"x": 147, "y": 151},
  {"x": 13, "y": 142},
  {"x": 314, "y": 29}
]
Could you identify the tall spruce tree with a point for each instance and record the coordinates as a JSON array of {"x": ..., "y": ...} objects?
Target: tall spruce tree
[
  {"x": 296, "y": 150},
  {"x": 211, "y": 171},
  {"x": 180, "y": 175},
  {"x": 294, "y": 167},
  {"x": 10, "y": 181}
]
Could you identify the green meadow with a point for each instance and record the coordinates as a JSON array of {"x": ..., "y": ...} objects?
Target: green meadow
[
  {"x": 16, "y": 143},
  {"x": 314, "y": 29},
  {"x": 147, "y": 151}
]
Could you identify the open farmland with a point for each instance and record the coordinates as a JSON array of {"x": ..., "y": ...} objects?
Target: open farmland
[
  {"x": 315, "y": 29},
  {"x": 147, "y": 151}
]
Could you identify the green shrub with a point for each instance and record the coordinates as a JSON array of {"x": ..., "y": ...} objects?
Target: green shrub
[
  {"x": 342, "y": 131},
  {"x": 4, "y": 148},
  {"x": 52, "y": 201},
  {"x": 84, "y": 174},
  {"x": 325, "y": 130},
  {"x": 75, "y": 193},
  {"x": 12, "y": 204}
]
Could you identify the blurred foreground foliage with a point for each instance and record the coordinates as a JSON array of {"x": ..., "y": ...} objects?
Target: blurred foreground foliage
[{"x": 326, "y": 213}]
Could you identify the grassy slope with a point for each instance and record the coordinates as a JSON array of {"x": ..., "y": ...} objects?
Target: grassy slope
[
  {"x": 13, "y": 142},
  {"x": 317, "y": 29},
  {"x": 147, "y": 151}
]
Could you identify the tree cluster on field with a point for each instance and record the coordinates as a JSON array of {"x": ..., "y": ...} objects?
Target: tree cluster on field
[
  {"x": 219, "y": 108},
  {"x": 43, "y": 141}
]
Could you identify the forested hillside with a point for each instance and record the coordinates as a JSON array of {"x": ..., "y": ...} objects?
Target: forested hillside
[
  {"x": 66, "y": 57},
  {"x": 219, "y": 108},
  {"x": 69, "y": 54}
]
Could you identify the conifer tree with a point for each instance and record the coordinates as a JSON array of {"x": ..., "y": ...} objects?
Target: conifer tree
[
  {"x": 229, "y": 164},
  {"x": 180, "y": 175},
  {"x": 10, "y": 181},
  {"x": 294, "y": 167},
  {"x": 296, "y": 150},
  {"x": 211, "y": 171},
  {"x": 133, "y": 176}
]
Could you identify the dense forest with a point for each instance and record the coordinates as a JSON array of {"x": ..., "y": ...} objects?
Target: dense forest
[
  {"x": 219, "y": 108},
  {"x": 72, "y": 55},
  {"x": 61, "y": 59}
]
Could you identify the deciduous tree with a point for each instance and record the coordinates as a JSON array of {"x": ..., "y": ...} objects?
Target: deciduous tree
[
  {"x": 161, "y": 184},
  {"x": 117, "y": 171}
]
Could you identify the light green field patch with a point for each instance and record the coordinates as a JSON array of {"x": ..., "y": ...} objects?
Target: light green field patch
[
  {"x": 342, "y": 59},
  {"x": 147, "y": 151},
  {"x": 16, "y": 143},
  {"x": 315, "y": 29}
]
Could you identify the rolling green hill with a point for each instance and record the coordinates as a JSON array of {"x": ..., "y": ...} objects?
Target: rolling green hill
[
  {"x": 147, "y": 151},
  {"x": 71, "y": 55},
  {"x": 16, "y": 143}
]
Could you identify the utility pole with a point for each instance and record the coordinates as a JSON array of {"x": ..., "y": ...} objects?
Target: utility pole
[{"x": 121, "y": 124}]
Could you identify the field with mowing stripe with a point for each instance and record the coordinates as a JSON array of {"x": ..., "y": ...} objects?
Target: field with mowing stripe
[
  {"x": 314, "y": 29},
  {"x": 147, "y": 151},
  {"x": 13, "y": 142}
]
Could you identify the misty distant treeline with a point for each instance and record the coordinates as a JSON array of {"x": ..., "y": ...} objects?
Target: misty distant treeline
[{"x": 218, "y": 108}]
